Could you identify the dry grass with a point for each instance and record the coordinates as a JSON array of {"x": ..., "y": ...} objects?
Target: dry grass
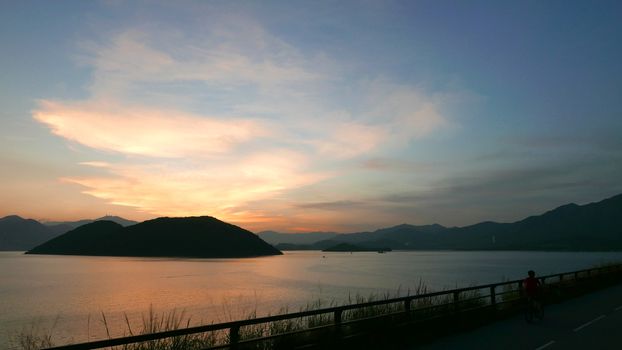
[
  {"x": 35, "y": 336},
  {"x": 152, "y": 322}
]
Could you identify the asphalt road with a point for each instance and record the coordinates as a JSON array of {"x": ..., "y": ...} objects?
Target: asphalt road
[{"x": 593, "y": 321}]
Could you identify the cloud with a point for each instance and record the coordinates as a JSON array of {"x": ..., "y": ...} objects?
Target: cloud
[
  {"x": 218, "y": 58},
  {"x": 350, "y": 139},
  {"x": 396, "y": 165},
  {"x": 97, "y": 164},
  {"x": 214, "y": 188},
  {"x": 229, "y": 120},
  {"x": 144, "y": 131},
  {"x": 408, "y": 112},
  {"x": 506, "y": 195},
  {"x": 334, "y": 205}
]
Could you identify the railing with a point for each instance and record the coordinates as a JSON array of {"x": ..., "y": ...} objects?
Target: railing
[{"x": 494, "y": 297}]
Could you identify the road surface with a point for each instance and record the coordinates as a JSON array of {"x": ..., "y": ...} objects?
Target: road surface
[{"x": 592, "y": 321}]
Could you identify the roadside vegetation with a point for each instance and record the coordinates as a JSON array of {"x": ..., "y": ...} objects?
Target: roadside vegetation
[
  {"x": 37, "y": 337},
  {"x": 428, "y": 307}
]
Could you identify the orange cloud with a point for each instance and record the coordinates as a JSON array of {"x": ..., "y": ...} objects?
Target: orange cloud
[
  {"x": 274, "y": 125},
  {"x": 144, "y": 131},
  {"x": 217, "y": 188}
]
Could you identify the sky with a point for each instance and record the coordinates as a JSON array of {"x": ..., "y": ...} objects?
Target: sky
[{"x": 303, "y": 116}]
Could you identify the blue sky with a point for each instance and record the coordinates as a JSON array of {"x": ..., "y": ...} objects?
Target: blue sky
[{"x": 304, "y": 116}]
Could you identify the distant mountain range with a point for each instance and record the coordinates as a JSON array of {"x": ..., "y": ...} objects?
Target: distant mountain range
[
  {"x": 571, "y": 227},
  {"x": 348, "y": 247},
  {"x": 74, "y": 224},
  {"x": 275, "y": 238},
  {"x": 22, "y": 234},
  {"x": 17, "y": 233},
  {"x": 197, "y": 237}
]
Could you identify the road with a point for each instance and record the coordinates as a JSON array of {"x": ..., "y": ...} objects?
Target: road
[{"x": 593, "y": 321}]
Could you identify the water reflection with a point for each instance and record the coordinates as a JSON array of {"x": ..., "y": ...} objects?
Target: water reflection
[{"x": 78, "y": 289}]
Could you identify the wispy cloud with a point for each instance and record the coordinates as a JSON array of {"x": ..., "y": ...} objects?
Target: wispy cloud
[
  {"x": 335, "y": 205},
  {"x": 407, "y": 112},
  {"x": 144, "y": 131},
  {"x": 180, "y": 188},
  {"x": 507, "y": 194},
  {"x": 227, "y": 117}
]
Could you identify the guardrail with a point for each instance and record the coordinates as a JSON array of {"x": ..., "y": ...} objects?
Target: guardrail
[{"x": 412, "y": 308}]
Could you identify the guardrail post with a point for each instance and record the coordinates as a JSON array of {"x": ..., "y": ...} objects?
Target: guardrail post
[
  {"x": 234, "y": 336},
  {"x": 338, "y": 316},
  {"x": 493, "y": 298},
  {"x": 407, "y": 305},
  {"x": 521, "y": 292},
  {"x": 337, "y": 320},
  {"x": 456, "y": 301}
]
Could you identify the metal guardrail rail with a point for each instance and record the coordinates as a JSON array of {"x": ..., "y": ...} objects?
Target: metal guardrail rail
[{"x": 449, "y": 301}]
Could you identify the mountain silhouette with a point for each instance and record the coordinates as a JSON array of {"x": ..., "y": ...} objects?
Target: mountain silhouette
[
  {"x": 594, "y": 226},
  {"x": 20, "y": 234},
  {"x": 74, "y": 224},
  {"x": 199, "y": 237},
  {"x": 275, "y": 238},
  {"x": 17, "y": 233},
  {"x": 571, "y": 227},
  {"x": 348, "y": 247}
]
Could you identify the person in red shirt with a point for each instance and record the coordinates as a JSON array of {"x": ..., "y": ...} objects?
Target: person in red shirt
[{"x": 531, "y": 285}]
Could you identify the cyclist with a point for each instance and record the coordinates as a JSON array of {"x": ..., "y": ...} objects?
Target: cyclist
[{"x": 532, "y": 287}]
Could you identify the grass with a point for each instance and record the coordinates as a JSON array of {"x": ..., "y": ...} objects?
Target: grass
[
  {"x": 35, "y": 337},
  {"x": 421, "y": 308},
  {"x": 152, "y": 322}
]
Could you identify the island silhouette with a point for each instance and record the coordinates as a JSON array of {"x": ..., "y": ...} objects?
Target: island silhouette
[{"x": 194, "y": 237}]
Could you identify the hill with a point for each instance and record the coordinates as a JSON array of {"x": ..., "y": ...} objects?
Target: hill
[
  {"x": 571, "y": 227},
  {"x": 275, "y": 238},
  {"x": 17, "y": 233},
  {"x": 74, "y": 224},
  {"x": 200, "y": 237},
  {"x": 347, "y": 247}
]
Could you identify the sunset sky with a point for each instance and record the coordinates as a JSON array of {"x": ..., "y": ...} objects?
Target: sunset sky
[{"x": 309, "y": 115}]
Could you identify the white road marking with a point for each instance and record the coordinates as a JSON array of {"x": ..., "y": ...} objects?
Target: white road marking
[
  {"x": 545, "y": 345},
  {"x": 618, "y": 308},
  {"x": 589, "y": 323}
]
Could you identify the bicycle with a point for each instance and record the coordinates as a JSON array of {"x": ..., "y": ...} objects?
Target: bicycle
[{"x": 533, "y": 309}]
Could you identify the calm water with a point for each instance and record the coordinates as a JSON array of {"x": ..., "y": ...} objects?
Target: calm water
[{"x": 70, "y": 293}]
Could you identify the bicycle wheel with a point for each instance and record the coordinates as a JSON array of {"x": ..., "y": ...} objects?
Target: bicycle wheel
[
  {"x": 539, "y": 311},
  {"x": 529, "y": 313}
]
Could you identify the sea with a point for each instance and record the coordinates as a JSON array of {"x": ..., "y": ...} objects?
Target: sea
[{"x": 80, "y": 298}]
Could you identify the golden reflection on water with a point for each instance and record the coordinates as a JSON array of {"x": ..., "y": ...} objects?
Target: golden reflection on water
[{"x": 76, "y": 290}]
